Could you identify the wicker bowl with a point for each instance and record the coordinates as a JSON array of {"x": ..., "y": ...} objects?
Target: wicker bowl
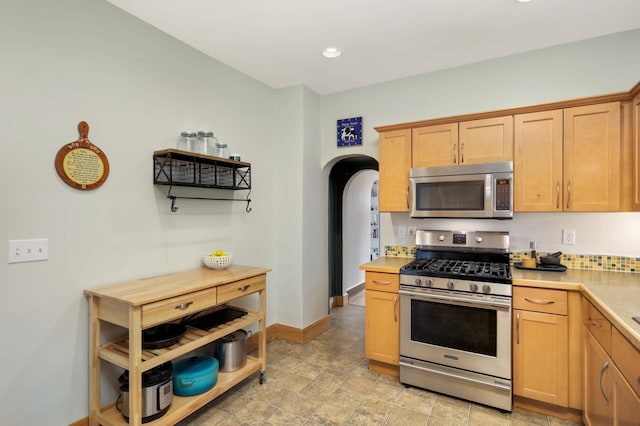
[{"x": 217, "y": 262}]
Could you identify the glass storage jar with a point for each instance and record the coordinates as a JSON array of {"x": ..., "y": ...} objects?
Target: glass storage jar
[
  {"x": 209, "y": 142},
  {"x": 222, "y": 151},
  {"x": 187, "y": 141}
]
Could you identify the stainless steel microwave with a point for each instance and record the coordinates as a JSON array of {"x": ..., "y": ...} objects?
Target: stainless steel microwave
[{"x": 463, "y": 191}]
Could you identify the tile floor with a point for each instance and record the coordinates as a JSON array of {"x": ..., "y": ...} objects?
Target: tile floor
[{"x": 326, "y": 382}]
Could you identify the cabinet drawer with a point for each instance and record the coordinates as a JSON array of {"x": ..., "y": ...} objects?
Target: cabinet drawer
[
  {"x": 177, "y": 307},
  {"x": 540, "y": 300},
  {"x": 241, "y": 288},
  {"x": 627, "y": 358},
  {"x": 597, "y": 324},
  {"x": 381, "y": 281}
]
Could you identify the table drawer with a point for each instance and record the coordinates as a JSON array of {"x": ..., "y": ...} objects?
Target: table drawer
[
  {"x": 241, "y": 288},
  {"x": 540, "y": 300},
  {"x": 627, "y": 358},
  {"x": 177, "y": 307},
  {"x": 382, "y": 281},
  {"x": 597, "y": 324}
]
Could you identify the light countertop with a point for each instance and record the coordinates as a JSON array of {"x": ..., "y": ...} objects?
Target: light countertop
[{"x": 615, "y": 294}]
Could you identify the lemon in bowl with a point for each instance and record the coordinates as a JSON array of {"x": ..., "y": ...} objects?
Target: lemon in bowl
[{"x": 218, "y": 259}]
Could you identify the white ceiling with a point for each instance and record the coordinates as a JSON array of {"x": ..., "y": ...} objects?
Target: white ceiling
[{"x": 279, "y": 42}]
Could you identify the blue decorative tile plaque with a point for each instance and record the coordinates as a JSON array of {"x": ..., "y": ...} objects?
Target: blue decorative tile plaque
[{"x": 350, "y": 131}]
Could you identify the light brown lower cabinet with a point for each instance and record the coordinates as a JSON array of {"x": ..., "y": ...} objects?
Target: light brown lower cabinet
[
  {"x": 541, "y": 357},
  {"x": 382, "y": 318},
  {"x": 609, "y": 399},
  {"x": 541, "y": 345}
]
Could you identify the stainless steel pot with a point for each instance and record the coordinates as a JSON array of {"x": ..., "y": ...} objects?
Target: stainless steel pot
[{"x": 231, "y": 351}]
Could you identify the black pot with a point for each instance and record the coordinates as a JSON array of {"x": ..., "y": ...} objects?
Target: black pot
[
  {"x": 552, "y": 259},
  {"x": 162, "y": 335}
]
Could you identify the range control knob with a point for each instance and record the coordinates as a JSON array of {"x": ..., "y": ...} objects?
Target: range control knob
[
  {"x": 418, "y": 281},
  {"x": 479, "y": 239},
  {"x": 473, "y": 287},
  {"x": 451, "y": 285},
  {"x": 429, "y": 283},
  {"x": 441, "y": 237},
  {"x": 486, "y": 288}
]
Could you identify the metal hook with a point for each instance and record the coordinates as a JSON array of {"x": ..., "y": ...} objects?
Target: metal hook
[
  {"x": 248, "y": 209},
  {"x": 173, "y": 203}
]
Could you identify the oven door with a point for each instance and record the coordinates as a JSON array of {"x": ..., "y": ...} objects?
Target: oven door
[{"x": 456, "y": 329}]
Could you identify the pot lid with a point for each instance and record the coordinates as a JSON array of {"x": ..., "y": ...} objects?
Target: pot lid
[
  {"x": 233, "y": 337},
  {"x": 195, "y": 366}
]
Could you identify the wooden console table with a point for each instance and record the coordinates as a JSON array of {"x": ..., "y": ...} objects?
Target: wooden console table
[{"x": 139, "y": 304}]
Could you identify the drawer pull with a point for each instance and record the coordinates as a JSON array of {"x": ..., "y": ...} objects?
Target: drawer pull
[
  {"x": 244, "y": 287},
  {"x": 539, "y": 301},
  {"x": 395, "y": 312},
  {"x": 594, "y": 324},
  {"x": 382, "y": 282},
  {"x": 602, "y": 370},
  {"x": 184, "y": 306}
]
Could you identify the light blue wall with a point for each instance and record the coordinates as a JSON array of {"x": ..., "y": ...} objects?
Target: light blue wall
[
  {"x": 73, "y": 60},
  {"x": 587, "y": 68}
]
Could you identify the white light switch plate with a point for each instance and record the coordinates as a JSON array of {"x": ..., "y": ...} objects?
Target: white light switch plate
[
  {"x": 28, "y": 250},
  {"x": 569, "y": 236},
  {"x": 402, "y": 232}
]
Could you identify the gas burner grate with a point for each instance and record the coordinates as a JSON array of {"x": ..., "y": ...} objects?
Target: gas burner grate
[{"x": 459, "y": 268}]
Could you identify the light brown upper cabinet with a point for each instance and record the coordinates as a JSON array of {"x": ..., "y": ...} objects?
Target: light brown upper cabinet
[
  {"x": 435, "y": 145},
  {"x": 468, "y": 142},
  {"x": 394, "y": 157},
  {"x": 486, "y": 141},
  {"x": 592, "y": 159},
  {"x": 569, "y": 160},
  {"x": 537, "y": 165},
  {"x": 636, "y": 154}
]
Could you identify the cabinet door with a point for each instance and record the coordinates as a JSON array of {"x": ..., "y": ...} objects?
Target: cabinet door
[
  {"x": 394, "y": 154},
  {"x": 486, "y": 141},
  {"x": 597, "y": 383},
  {"x": 592, "y": 158},
  {"x": 382, "y": 331},
  {"x": 636, "y": 154},
  {"x": 540, "y": 357},
  {"x": 435, "y": 145},
  {"x": 537, "y": 168},
  {"x": 626, "y": 404}
]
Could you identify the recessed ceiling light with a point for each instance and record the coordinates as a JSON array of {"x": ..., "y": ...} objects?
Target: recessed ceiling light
[
  {"x": 523, "y": 1},
  {"x": 331, "y": 52}
]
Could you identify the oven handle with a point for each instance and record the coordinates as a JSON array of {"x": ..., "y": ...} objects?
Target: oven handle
[
  {"x": 498, "y": 386},
  {"x": 452, "y": 299}
]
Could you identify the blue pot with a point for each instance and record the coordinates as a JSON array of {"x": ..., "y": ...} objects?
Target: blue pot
[{"x": 194, "y": 375}]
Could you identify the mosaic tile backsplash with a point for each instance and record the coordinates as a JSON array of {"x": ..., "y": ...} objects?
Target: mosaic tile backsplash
[{"x": 572, "y": 261}]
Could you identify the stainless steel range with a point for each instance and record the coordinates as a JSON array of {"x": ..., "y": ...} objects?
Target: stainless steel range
[{"x": 455, "y": 316}]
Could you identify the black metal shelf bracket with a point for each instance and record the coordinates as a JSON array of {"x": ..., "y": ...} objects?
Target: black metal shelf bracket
[
  {"x": 187, "y": 169},
  {"x": 174, "y": 208}
]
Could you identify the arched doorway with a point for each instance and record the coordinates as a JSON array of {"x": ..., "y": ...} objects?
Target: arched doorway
[{"x": 340, "y": 174}]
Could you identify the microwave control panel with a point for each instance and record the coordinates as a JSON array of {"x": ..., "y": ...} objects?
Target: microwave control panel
[{"x": 503, "y": 194}]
